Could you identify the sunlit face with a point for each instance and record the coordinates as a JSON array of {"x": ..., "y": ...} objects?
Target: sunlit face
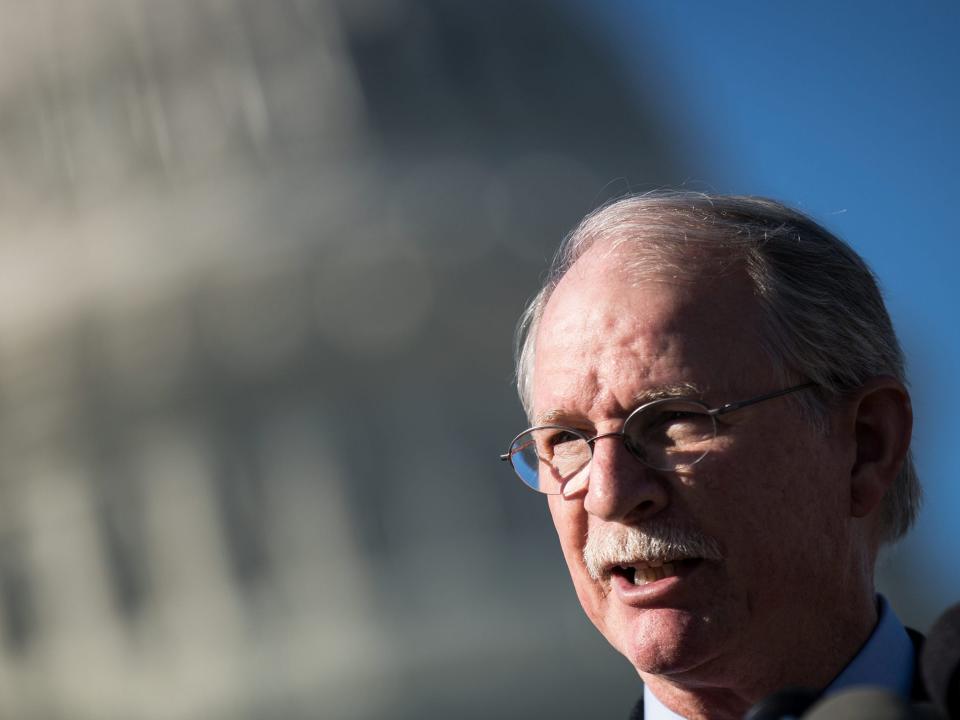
[{"x": 769, "y": 497}]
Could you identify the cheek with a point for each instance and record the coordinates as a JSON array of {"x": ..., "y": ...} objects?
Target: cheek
[
  {"x": 570, "y": 520},
  {"x": 780, "y": 523}
]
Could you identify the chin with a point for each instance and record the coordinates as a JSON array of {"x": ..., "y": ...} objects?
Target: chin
[{"x": 663, "y": 641}]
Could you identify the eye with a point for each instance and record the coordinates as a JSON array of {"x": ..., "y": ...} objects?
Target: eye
[
  {"x": 673, "y": 421},
  {"x": 669, "y": 417},
  {"x": 663, "y": 420},
  {"x": 561, "y": 436}
]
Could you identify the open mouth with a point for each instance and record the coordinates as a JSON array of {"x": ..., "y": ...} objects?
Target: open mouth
[{"x": 641, "y": 573}]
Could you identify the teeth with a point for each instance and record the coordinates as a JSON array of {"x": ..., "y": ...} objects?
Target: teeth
[
  {"x": 656, "y": 570},
  {"x": 642, "y": 576}
]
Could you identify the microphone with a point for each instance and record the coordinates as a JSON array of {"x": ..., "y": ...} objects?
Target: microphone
[
  {"x": 868, "y": 703},
  {"x": 787, "y": 703},
  {"x": 940, "y": 663}
]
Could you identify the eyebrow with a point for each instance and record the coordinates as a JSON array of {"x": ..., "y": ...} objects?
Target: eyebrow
[{"x": 676, "y": 390}]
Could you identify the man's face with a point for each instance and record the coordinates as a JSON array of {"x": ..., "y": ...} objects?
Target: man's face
[{"x": 771, "y": 494}]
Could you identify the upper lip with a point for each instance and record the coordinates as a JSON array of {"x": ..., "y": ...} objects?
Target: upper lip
[{"x": 642, "y": 563}]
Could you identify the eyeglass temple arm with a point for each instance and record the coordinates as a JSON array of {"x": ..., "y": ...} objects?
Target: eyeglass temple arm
[{"x": 730, "y": 407}]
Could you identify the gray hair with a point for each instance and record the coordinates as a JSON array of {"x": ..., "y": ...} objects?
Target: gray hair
[{"x": 822, "y": 310}]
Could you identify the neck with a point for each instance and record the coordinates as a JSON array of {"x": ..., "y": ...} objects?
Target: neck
[{"x": 816, "y": 653}]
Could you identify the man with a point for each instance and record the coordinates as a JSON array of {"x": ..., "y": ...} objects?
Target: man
[{"x": 722, "y": 427}]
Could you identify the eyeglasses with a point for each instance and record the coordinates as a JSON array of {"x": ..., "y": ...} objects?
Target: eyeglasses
[{"x": 670, "y": 434}]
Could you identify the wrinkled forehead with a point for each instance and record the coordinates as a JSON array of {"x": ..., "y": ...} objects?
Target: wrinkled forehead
[
  {"x": 706, "y": 280},
  {"x": 607, "y": 308}
]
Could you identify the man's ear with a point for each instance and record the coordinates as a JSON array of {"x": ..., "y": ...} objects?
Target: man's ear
[{"x": 882, "y": 420}]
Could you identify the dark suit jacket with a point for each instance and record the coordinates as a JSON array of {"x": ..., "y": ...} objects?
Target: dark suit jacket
[{"x": 918, "y": 692}]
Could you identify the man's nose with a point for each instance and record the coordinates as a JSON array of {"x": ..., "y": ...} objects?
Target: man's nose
[{"x": 620, "y": 487}]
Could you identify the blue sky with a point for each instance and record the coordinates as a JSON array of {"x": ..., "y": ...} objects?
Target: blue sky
[{"x": 850, "y": 112}]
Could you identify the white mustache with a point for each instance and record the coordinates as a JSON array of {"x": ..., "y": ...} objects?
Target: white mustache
[{"x": 611, "y": 545}]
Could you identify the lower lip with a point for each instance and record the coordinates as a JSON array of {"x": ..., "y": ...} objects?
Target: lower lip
[{"x": 656, "y": 592}]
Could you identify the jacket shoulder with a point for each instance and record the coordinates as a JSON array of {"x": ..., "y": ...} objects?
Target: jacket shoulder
[{"x": 918, "y": 690}]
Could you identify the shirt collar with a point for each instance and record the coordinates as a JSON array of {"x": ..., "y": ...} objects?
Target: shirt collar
[
  {"x": 653, "y": 709},
  {"x": 886, "y": 661}
]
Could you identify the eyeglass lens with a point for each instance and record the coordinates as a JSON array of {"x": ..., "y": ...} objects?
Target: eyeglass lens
[{"x": 665, "y": 435}]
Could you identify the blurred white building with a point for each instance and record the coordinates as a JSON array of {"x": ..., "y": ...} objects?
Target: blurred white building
[{"x": 259, "y": 269}]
